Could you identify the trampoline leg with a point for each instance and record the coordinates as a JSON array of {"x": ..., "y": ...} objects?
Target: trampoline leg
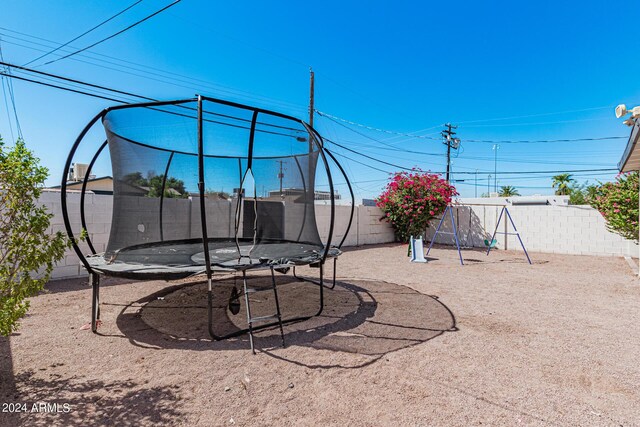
[
  {"x": 321, "y": 283},
  {"x": 94, "y": 279},
  {"x": 275, "y": 294},
  {"x": 248, "y": 308},
  {"x": 335, "y": 267},
  {"x": 210, "y": 310}
]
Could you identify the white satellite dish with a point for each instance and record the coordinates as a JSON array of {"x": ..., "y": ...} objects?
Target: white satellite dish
[{"x": 621, "y": 110}]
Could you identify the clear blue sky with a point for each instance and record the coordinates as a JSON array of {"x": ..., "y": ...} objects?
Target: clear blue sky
[{"x": 548, "y": 70}]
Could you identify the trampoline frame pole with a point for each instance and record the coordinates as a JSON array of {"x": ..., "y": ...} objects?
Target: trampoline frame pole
[
  {"x": 94, "y": 281},
  {"x": 83, "y": 191}
]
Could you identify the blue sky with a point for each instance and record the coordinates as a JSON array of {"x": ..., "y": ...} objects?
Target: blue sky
[{"x": 500, "y": 70}]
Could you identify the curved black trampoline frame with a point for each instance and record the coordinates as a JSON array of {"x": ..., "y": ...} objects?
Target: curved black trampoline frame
[{"x": 94, "y": 275}]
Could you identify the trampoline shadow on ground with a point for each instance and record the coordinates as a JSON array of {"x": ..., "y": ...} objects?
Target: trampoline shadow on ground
[{"x": 363, "y": 320}]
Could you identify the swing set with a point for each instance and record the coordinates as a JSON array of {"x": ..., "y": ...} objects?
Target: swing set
[{"x": 489, "y": 243}]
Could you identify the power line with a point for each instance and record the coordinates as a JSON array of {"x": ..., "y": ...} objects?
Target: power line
[
  {"x": 335, "y": 119},
  {"x": 63, "y": 88},
  {"x": 6, "y": 105},
  {"x": 11, "y": 96},
  {"x": 356, "y": 161},
  {"x": 67, "y": 79},
  {"x": 144, "y": 69},
  {"x": 83, "y": 34},
  {"x": 367, "y": 156},
  {"x": 115, "y": 34},
  {"x": 603, "y": 138}
]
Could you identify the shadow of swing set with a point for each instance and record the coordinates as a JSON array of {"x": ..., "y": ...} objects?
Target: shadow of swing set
[{"x": 490, "y": 244}]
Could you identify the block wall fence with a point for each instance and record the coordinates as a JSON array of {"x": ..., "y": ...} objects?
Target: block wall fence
[{"x": 577, "y": 230}]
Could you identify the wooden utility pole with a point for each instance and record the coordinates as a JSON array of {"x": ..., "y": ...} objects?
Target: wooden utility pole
[
  {"x": 450, "y": 142},
  {"x": 281, "y": 175},
  {"x": 311, "y": 137},
  {"x": 311, "y": 96}
]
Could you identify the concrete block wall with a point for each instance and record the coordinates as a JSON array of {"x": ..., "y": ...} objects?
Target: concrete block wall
[
  {"x": 578, "y": 230},
  {"x": 184, "y": 213}
]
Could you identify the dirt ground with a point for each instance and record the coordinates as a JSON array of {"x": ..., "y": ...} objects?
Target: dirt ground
[{"x": 496, "y": 342}]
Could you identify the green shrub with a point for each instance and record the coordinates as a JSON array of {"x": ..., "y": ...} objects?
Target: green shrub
[
  {"x": 618, "y": 203},
  {"x": 25, "y": 244}
]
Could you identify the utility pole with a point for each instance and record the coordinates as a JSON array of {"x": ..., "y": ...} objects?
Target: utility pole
[
  {"x": 489, "y": 185},
  {"x": 280, "y": 174},
  {"x": 311, "y": 137},
  {"x": 495, "y": 168},
  {"x": 476, "y": 184},
  {"x": 450, "y": 143},
  {"x": 311, "y": 98}
]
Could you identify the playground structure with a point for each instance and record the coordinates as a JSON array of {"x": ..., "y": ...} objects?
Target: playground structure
[
  {"x": 166, "y": 154},
  {"x": 489, "y": 243}
]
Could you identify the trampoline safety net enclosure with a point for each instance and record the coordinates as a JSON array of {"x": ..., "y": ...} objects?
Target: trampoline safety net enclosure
[{"x": 205, "y": 184}]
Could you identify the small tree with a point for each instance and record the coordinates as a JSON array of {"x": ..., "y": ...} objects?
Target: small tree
[
  {"x": 618, "y": 203},
  {"x": 25, "y": 244},
  {"x": 412, "y": 199},
  {"x": 508, "y": 191}
]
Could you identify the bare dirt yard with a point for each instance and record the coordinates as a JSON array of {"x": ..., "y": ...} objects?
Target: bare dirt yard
[{"x": 496, "y": 342}]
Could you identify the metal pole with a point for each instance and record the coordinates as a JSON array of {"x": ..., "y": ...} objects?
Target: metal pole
[
  {"x": 448, "y": 158},
  {"x": 489, "y": 185},
  {"x": 476, "y": 183},
  {"x": 495, "y": 169}
]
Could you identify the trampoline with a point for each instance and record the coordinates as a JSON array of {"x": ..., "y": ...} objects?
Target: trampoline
[{"x": 202, "y": 186}]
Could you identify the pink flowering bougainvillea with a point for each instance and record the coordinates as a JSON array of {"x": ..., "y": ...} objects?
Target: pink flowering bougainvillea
[
  {"x": 412, "y": 199},
  {"x": 618, "y": 203}
]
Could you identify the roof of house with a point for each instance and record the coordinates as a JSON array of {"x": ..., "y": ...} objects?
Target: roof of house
[{"x": 630, "y": 160}]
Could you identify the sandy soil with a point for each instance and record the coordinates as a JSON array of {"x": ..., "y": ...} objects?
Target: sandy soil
[{"x": 496, "y": 342}]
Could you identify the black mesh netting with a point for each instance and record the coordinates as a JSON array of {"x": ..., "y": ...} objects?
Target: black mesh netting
[{"x": 258, "y": 189}]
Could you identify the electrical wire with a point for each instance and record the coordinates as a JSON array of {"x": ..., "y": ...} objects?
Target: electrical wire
[
  {"x": 11, "y": 95},
  {"x": 115, "y": 34},
  {"x": 6, "y": 105},
  {"x": 83, "y": 34},
  {"x": 337, "y": 119},
  {"x": 166, "y": 77}
]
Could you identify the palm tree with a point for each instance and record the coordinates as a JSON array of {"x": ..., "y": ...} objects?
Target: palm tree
[
  {"x": 562, "y": 183},
  {"x": 508, "y": 191}
]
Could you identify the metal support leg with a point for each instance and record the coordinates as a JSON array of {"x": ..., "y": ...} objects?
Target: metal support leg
[
  {"x": 496, "y": 230},
  {"x": 321, "y": 290},
  {"x": 333, "y": 284},
  {"x": 455, "y": 234},
  {"x": 210, "y": 309},
  {"x": 94, "y": 279},
  {"x": 275, "y": 294},
  {"x": 248, "y": 309},
  {"x": 433, "y": 239},
  {"x": 518, "y": 234}
]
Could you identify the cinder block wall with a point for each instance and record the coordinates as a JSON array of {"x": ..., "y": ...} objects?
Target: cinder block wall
[
  {"x": 577, "y": 230},
  {"x": 365, "y": 228}
]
